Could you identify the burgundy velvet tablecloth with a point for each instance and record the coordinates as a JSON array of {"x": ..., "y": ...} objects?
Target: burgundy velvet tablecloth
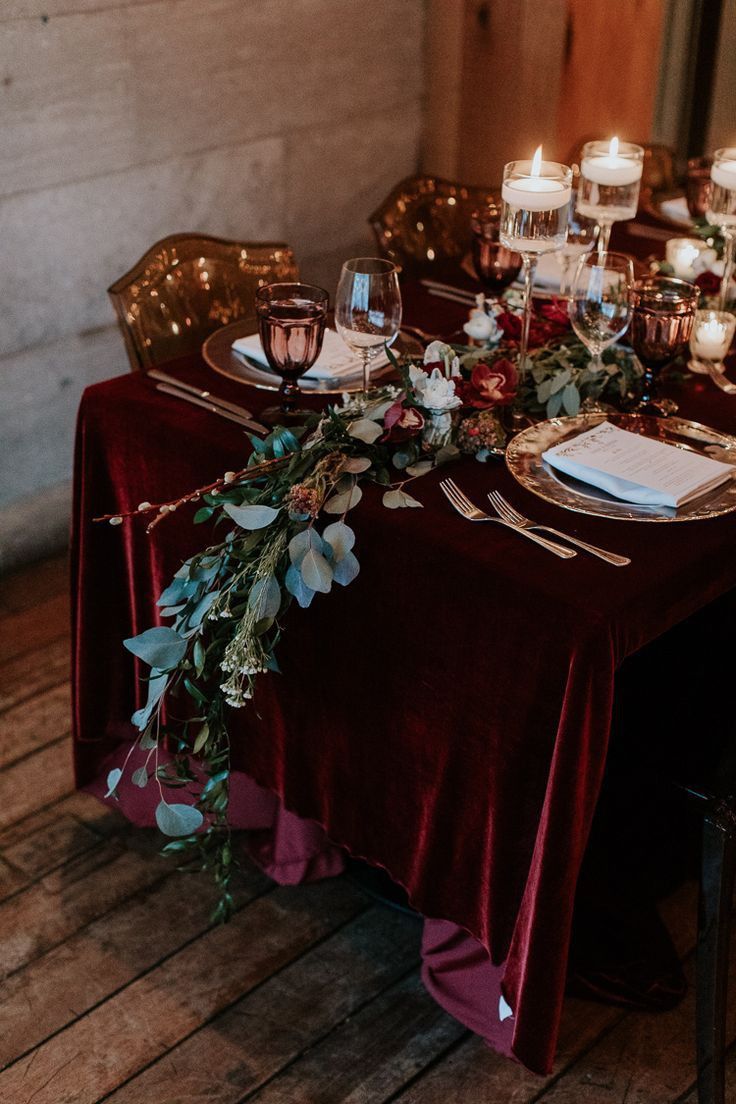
[{"x": 446, "y": 716}]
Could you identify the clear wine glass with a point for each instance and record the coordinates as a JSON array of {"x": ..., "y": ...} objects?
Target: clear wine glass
[
  {"x": 582, "y": 233},
  {"x": 291, "y": 323},
  {"x": 368, "y": 308},
  {"x": 600, "y": 302},
  {"x": 721, "y": 212}
]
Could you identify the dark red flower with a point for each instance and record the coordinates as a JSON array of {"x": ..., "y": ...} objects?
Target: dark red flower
[
  {"x": 708, "y": 283},
  {"x": 402, "y": 422},
  {"x": 552, "y": 323},
  {"x": 489, "y": 385},
  {"x": 555, "y": 314}
]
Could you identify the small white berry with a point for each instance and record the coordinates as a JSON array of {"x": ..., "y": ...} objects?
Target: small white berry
[
  {"x": 144, "y": 506},
  {"x": 116, "y": 521},
  {"x": 229, "y": 477}
]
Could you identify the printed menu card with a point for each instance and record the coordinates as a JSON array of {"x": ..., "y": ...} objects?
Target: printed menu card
[{"x": 637, "y": 469}]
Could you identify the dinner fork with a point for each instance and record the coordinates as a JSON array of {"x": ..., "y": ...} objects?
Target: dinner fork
[
  {"x": 465, "y": 507},
  {"x": 505, "y": 510}
]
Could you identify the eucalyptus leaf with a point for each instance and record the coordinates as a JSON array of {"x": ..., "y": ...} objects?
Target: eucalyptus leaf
[
  {"x": 297, "y": 587},
  {"x": 340, "y": 537},
  {"x": 112, "y": 781},
  {"x": 420, "y": 468},
  {"x": 161, "y": 647},
  {"x": 251, "y": 517},
  {"x": 156, "y": 688},
  {"x": 365, "y": 430},
  {"x": 302, "y": 543},
  {"x": 175, "y": 592},
  {"x": 265, "y": 597},
  {"x": 554, "y": 405},
  {"x": 198, "y": 657},
  {"x": 356, "y": 464},
  {"x": 178, "y": 820},
  {"x": 316, "y": 572},
  {"x": 140, "y": 778},
  {"x": 341, "y": 503},
  {"x": 200, "y": 611},
  {"x": 147, "y": 741},
  {"x": 346, "y": 569},
  {"x": 202, "y": 737},
  {"x": 396, "y": 499},
  {"x": 571, "y": 399}
]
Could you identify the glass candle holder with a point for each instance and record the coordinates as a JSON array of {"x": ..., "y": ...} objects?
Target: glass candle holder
[
  {"x": 534, "y": 210},
  {"x": 496, "y": 266},
  {"x": 661, "y": 324},
  {"x": 610, "y": 177},
  {"x": 710, "y": 340},
  {"x": 722, "y": 211},
  {"x": 683, "y": 254}
]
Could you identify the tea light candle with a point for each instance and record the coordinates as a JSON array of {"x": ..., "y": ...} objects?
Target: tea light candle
[
  {"x": 612, "y": 169},
  {"x": 536, "y": 192},
  {"x": 723, "y": 173},
  {"x": 712, "y": 334},
  {"x": 682, "y": 253}
]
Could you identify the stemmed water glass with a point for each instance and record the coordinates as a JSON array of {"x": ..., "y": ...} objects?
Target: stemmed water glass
[
  {"x": 661, "y": 324},
  {"x": 368, "y": 308},
  {"x": 291, "y": 324},
  {"x": 600, "y": 302},
  {"x": 721, "y": 211},
  {"x": 610, "y": 177},
  {"x": 581, "y": 237},
  {"x": 535, "y": 196}
]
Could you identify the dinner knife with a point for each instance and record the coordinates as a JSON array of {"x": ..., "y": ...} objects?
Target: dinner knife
[
  {"x": 174, "y": 381},
  {"x": 185, "y": 396},
  {"x": 434, "y": 287}
]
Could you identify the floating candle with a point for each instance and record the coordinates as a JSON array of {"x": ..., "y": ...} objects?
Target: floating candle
[
  {"x": 535, "y": 191},
  {"x": 612, "y": 169},
  {"x": 723, "y": 172}
]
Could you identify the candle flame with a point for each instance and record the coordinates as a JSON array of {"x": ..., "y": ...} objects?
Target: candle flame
[
  {"x": 613, "y": 147},
  {"x": 536, "y": 162}
]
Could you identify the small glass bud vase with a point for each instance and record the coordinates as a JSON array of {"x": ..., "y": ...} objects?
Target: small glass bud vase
[{"x": 437, "y": 429}]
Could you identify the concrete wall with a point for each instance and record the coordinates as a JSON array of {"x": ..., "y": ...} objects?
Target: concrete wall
[{"x": 125, "y": 120}]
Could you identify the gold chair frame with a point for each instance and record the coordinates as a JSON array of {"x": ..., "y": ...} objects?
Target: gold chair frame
[
  {"x": 426, "y": 219},
  {"x": 188, "y": 285}
]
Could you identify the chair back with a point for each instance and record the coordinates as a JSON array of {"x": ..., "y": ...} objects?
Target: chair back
[
  {"x": 187, "y": 285},
  {"x": 426, "y": 219}
]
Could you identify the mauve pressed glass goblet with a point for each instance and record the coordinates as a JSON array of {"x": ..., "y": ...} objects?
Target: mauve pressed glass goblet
[
  {"x": 291, "y": 322},
  {"x": 661, "y": 324},
  {"x": 697, "y": 189},
  {"x": 496, "y": 266}
]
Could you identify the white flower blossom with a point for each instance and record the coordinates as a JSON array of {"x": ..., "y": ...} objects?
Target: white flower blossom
[
  {"x": 438, "y": 350},
  {"x": 434, "y": 392}
]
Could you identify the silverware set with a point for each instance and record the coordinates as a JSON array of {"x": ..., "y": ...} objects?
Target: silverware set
[
  {"x": 506, "y": 515},
  {"x": 170, "y": 385}
]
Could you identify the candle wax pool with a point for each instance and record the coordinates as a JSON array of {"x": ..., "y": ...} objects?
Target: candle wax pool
[{"x": 611, "y": 170}]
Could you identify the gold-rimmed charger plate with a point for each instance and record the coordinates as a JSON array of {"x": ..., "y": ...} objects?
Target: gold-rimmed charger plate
[
  {"x": 524, "y": 461},
  {"x": 218, "y": 353}
]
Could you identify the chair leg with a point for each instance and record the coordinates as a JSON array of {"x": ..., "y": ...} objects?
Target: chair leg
[{"x": 718, "y": 867}]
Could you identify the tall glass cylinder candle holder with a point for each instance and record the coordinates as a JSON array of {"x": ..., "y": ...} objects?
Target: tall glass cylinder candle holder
[
  {"x": 721, "y": 211},
  {"x": 535, "y": 198},
  {"x": 610, "y": 177}
]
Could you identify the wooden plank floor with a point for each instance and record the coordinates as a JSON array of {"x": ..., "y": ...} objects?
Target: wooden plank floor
[{"x": 114, "y": 987}]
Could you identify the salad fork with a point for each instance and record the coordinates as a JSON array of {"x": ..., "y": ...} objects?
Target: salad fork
[
  {"x": 506, "y": 511},
  {"x": 465, "y": 507}
]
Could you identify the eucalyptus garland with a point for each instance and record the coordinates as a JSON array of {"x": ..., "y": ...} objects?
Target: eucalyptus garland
[{"x": 285, "y": 540}]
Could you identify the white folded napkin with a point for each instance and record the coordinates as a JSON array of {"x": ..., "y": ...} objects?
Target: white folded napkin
[
  {"x": 637, "y": 469},
  {"x": 335, "y": 362}
]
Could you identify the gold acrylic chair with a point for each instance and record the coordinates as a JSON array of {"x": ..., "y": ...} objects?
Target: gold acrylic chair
[
  {"x": 187, "y": 285},
  {"x": 426, "y": 219}
]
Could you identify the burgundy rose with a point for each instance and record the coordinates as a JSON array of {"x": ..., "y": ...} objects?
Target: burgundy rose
[
  {"x": 541, "y": 330},
  {"x": 709, "y": 283},
  {"x": 489, "y": 385},
  {"x": 402, "y": 422}
]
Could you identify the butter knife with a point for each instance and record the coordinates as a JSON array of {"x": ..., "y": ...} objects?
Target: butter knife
[
  {"x": 173, "y": 381},
  {"x": 195, "y": 400}
]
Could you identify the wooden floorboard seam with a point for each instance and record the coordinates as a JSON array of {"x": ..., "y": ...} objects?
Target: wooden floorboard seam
[
  {"x": 436, "y": 1061},
  {"x": 34, "y": 693},
  {"x": 121, "y": 988},
  {"x": 317, "y": 1041},
  {"x": 259, "y": 985}
]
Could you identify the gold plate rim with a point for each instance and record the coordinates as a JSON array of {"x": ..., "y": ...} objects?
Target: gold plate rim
[
  {"x": 524, "y": 461},
  {"x": 217, "y": 355}
]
